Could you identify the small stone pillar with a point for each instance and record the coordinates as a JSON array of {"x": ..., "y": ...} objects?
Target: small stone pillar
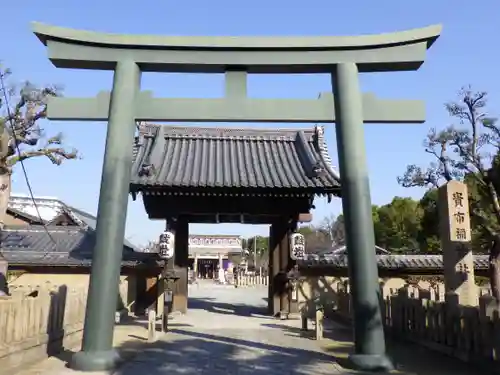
[
  {"x": 221, "y": 261},
  {"x": 160, "y": 287},
  {"x": 195, "y": 266},
  {"x": 151, "y": 326},
  {"x": 319, "y": 324},
  {"x": 455, "y": 231},
  {"x": 303, "y": 319}
]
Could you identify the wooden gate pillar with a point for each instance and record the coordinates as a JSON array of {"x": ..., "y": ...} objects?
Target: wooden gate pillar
[
  {"x": 181, "y": 263},
  {"x": 277, "y": 299},
  {"x": 287, "y": 305},
  {"x": 285, "y": 261},
  {"x": 273, "y": 303}
]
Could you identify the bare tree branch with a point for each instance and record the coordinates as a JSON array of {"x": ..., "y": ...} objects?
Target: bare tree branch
[
  {"x": 55, "y": 155},
  {"x": 22, "y": 108},
  {"x": 28, "y": 106},
  {"x": 466, "y": 145},
  {"x": 417, "y": 177}
]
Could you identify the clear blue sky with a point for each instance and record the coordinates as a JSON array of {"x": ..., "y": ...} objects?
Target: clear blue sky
[{"x": 466, "y": 53}]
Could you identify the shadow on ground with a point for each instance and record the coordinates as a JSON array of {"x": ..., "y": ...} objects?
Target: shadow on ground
[
  {"x": 339, "y": 334},
  {"x": 135, "y": 341},
  {"x": 408, "y": 358},
  {"x": 202, "y": 353},
  {"x": 188, "y": 352},
  {"x": 143, "y": 322},
  {"x": 211, "y": 305}
]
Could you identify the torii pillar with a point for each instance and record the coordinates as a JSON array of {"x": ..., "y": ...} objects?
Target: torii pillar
[{"x": 110, "y": 231}]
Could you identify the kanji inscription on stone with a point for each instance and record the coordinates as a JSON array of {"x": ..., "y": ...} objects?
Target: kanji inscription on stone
[
  {"x": 461, "y": 234},
  {"x": 455, "y": 212},
  {"x": 458, "y": 199},
  {"x": 459, "y": 217},
  {"x": 458, "y": 260}
]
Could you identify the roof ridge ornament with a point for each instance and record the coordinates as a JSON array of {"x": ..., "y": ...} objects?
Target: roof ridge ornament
[
  {"x": 323, "y": 151},
  {"x": 147, "y": 170}
]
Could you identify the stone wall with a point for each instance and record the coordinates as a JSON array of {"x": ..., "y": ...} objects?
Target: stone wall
[
  {"x": 417, "y": 313},
  {"x": 37, "y": 322}
]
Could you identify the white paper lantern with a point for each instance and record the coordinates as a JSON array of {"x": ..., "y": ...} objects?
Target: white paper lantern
[
  {"x": 297, "y": 246},
  {"x": 166, "y": 245}
]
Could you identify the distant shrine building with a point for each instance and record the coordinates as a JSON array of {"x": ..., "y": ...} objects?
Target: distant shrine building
[{"x": 208, "y": 252}]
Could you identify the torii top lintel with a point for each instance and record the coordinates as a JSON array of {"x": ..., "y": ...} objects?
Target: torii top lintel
[{"x": 399, "y": 51}]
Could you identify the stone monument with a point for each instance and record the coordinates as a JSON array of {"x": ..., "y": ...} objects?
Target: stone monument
[{"x": 458, "y": 260}]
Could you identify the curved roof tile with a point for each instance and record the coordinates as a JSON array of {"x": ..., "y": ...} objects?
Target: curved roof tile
[
  {"x": 396, "y": 261},
  {"x": 197, "y": 157}
]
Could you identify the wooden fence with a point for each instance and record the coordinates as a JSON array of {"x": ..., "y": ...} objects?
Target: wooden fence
[
  {"x": 418, "y": 313},
  {"x": 35, "y": 321},
  {"x": 250, "y": 281}
]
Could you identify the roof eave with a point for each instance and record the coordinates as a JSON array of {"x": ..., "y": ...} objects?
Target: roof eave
[{"x": 136, "y": 187}]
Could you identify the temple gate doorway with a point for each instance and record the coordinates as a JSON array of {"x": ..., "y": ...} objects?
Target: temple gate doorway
[{"x": 208, "y": 252}]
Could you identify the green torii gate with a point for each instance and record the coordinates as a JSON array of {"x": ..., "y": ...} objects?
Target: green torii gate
[{"x": 129, "y": 55}]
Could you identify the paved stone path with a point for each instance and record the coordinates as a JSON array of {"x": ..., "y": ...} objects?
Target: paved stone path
[{"x": 226, "y": 332}]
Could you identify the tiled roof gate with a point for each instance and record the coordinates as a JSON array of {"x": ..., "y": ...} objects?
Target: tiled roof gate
[{"x": 233, "y": 158}]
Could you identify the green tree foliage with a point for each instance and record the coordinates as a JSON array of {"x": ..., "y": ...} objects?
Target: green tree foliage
[
  {"x": 338, "y": 227},
  {"x": 338, "y": 231},
  {"x": 398, "y": 225},
  {"x": 428, "y": 236},
  {"x": 258, "y": 250},
  {"x": 376, "y": 219},
  {"x": 257, "y": 243},
  {"x": 317, "y": 237}
]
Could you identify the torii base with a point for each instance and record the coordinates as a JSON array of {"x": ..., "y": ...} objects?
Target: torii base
[
  {"x": 370, "y": 362},
  {"x": 95, "y": 360}
]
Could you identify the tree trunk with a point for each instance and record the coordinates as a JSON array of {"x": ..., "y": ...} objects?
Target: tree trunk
[
  {"x": 494, "y": 270},
  {"x": 5, "y": 142},
  {"x": 5, "y": 189}
]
